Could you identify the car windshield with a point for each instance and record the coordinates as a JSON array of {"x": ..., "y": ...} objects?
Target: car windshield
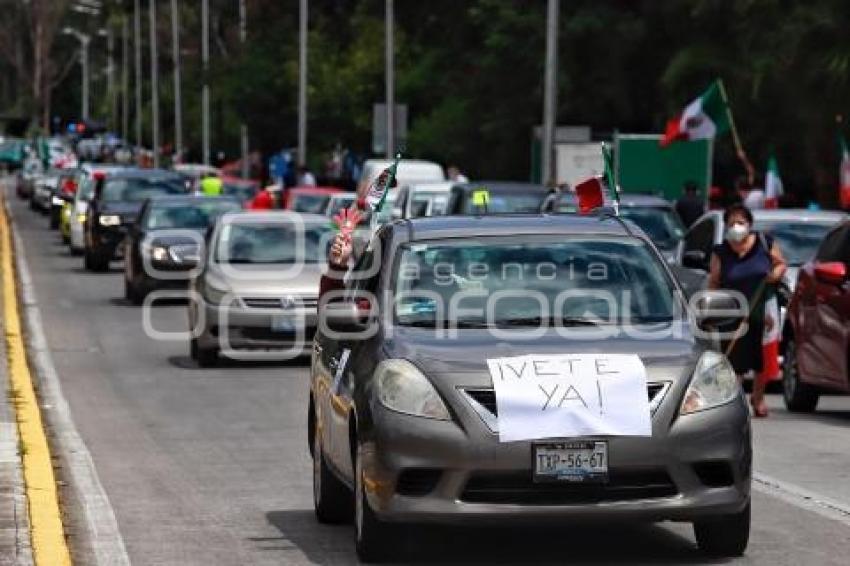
[
  {"x": 243, "y": 192},
  {"x": 798, "y": 240},
  {"x": 571, "y": 280},
  {"x": 135, "y": 189},
  {"x": 311, "y": 204},
  {"x": 190, "y": 215},
  {"x": 507, "y": 203},
  {"x": 428, "y": 204},
  {"x": 279, "y": 242},
  {"x": 338, "y": 203},
  {"x": 662, "y": 225}
]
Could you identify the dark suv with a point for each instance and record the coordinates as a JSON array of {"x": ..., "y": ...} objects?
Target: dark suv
[{"x": 115, "y": 204}]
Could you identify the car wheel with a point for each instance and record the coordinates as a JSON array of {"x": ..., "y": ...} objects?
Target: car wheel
[
  {"x": 206, "y": 357},
  {"x": 331, "y": 498},
  {"x": 66, "y": 239},
  {"x": 374, "y": 540},
  {"x": 133, "y": 292},
  {"x": 54, "y": 221},
  {"x": 95, "y": 262},
  {"x": 799, "y": 397},
  {"x": 724, "y": 536}
]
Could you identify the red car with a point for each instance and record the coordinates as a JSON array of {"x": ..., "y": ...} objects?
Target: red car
[
  {"x": 309, "y": 199},
  {"x": 817, "y": 353}
]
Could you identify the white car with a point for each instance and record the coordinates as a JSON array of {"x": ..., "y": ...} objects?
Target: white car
[
  {"x": 409, "y": 171},
  {"x": 422, "y": 199}
]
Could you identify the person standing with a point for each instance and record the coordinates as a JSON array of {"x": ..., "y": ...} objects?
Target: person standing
[
  {"x": 305, "y": 177},
  {"x": 689, "y": 207},
  {"x": 455, "y": 176},
  {"x": 752, "y": 264},
  {"x": 211, "y": 185}
]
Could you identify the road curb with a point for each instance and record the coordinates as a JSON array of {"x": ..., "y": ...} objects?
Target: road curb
[
  {"x": 45, "y": 517},
  {"x": 103, "y": 541}
]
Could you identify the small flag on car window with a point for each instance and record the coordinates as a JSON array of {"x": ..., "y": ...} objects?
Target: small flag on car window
[{"x": 590, "y": 195}]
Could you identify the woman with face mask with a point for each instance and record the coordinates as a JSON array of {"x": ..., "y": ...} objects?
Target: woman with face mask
[{"x": 752, "y": 264}]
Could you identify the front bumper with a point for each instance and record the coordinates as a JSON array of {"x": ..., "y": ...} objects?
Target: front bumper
[
  {"x": 107, "y": 241},
  {"x": 244, "y": 328},
  {"x": 698, "y": 467}
]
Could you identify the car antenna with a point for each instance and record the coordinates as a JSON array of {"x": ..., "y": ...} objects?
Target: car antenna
[{"x": 612, "y": 212}]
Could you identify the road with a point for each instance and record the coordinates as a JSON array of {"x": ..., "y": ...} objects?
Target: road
[{"x": 211, "y": 466}]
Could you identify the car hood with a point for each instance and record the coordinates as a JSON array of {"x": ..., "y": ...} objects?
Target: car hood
[
  {"x": 169, "y": 238},
  {"x": 465, "y": 358},
  {"x": 263, "y": 280}
]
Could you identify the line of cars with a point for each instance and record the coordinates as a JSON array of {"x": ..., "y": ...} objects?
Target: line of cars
[{"x": 403, "y": 422}]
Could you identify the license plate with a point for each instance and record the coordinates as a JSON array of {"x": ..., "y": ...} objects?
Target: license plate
[
  {"x": 573, "y": 461},
  {"x": 283, "y": 324}
]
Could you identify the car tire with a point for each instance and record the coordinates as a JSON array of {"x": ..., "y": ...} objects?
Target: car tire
[
  {"x": 205, "y": 357},
  {"x": 95, "y": 262},
  {"x": 54, "y": 221},
  {"x": 798, "y": 396},
  {"x": 66, "y": 239},
  {"x": 133, "y": 292},
  {"x": 331, "y": 498},
  {"x": 374, "y": 539},
  {"x": 725, "y": 536}
]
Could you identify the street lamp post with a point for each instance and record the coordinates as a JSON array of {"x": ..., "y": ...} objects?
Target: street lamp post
[
  {"x": 389, "y": 56},
  {"x": 84, "y": 65},
  {"x": 302, "y": 84},
  {"x": 205, "y": 91},
  {"x": 178, "y": 102},
  {"x": 243, "y": 128},
  {"x": 137, "y": 46},
  {"x": 125, "y": 80},
  {"x": 549, "y": 95},
  {"x": 154, "y": 85}
]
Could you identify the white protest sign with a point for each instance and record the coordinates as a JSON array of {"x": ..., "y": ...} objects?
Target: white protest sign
[{"x": 570, "y": 395}]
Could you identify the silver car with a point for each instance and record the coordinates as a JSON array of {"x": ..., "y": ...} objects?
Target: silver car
[
  {"x": 406, "y": 422},
  {"x": 256, "y": 293}
]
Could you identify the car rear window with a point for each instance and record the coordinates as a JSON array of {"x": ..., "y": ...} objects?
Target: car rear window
[{"x": 137, "y": 189}]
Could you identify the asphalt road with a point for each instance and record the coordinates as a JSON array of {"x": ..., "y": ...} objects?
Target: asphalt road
[{"x": 210, "y": 466}]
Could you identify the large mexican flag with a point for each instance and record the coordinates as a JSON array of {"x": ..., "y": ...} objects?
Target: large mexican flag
[{"x": 704, "y": 118}]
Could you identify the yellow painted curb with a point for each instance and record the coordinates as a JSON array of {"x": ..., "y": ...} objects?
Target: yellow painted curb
[{"x": 46, "y": 531}]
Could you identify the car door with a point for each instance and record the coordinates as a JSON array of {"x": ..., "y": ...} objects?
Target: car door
[
  {"x": 829, "y": 316},
  {"x": 343, "y": 359}
]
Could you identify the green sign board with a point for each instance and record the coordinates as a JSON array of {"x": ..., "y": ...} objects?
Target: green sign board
[{"x": 643, "y": 166}]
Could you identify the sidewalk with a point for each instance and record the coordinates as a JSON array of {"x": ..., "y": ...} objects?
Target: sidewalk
[{"x": 14, "y": 523}]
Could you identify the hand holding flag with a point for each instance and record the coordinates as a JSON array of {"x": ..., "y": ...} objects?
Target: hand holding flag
[{"x": 347, "y": 220}]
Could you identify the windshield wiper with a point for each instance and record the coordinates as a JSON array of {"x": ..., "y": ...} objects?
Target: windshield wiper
[
  {"x": 431, "y": 323},
  {"x": 550, "y": 320}
]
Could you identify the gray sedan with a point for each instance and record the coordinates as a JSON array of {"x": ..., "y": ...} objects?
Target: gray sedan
[
  {"x": 256, "y": 294},
  {"x": 406, "y": 424}
]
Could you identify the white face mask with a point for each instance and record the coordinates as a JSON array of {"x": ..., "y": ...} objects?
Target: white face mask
[{"x": 737, "y": 232}]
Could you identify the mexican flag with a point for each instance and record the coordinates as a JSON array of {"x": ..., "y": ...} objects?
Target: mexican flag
[
  {"x": 770, "y": 343},
  {"x": 844, "y": 175},
  {"x": 772, "y": 184},
  {"x": 704, "y": 118}
]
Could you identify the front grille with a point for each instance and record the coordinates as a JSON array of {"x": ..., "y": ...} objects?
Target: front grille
[
  {"x": 267, "y": 334},
  {"x": 281, "y": 303},
  {"x": 417, "y": 482},
  {"x": 487, "y": 397},
  {"x": 520, "y": 489}
]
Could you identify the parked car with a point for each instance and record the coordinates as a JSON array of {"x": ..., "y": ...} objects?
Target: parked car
[
  {"x": 817, "y": 350},
  {"x": 310, "y": 200},
  {"x": 502, "y": 198},
  {"x": 259, "y": 286},
  {"x": 115, "y": 205},
  {"x": 404, "y": 421},
  {"x": 243, "y": 189},
  {"x": 422, "y": 199},
  {"x": 798, "y": 232},
  {"x": 79, "y": 212},
  {"x": 192, "y": 173},
  {"x": 409, "y": 171},
  {"x": 163, "y": 245}
]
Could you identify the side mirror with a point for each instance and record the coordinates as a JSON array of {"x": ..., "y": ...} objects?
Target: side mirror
[
  {"x": 344, "y": 317},
  {"x": 831, "y": 272},
  {"x": 694, "y": 259},
  {"x": 719, "y": 308}
]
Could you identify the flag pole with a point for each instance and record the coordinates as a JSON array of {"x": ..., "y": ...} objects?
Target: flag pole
[{"x": 736, "y": 139}]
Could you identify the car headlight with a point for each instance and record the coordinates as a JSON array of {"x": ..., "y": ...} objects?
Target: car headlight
[
  {"x": 714, "y": 383},
  {"x": 81, "y": 218},
  {"x": 402, "y": 387},
  {"x": 159, "y": 253},
  {"x": 215, "y": 292},
  {"x": 57, "y": 201},
  {"x": 109, "y": 220}
]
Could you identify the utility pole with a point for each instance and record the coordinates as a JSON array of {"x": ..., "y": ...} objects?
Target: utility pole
[
  {"x": 243, "y": 129},
  {"x": 154, "y": 85},
  {"x": 302, "y": 83},
  {"x": 550, "y": 94},
  {"x": 84, "y": 55},
  {"x": 178, "y": 102},
  {"x": 137, "y": 45},
  {"x": 205, "y": 92},
  {"x": 389, "y": 57},
  {"x": 125, "y": 79},
  {"x": 110, "y": 78}
]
